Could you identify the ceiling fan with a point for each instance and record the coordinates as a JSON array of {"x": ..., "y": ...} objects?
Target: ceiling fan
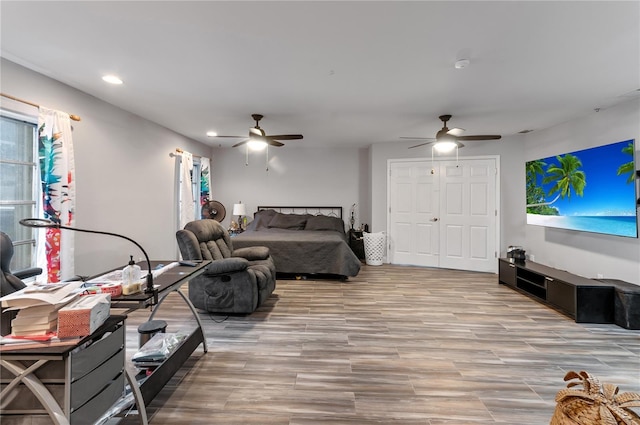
[
  {"x": 447, "y": 139},
  {"x": 258, "y": 138}
]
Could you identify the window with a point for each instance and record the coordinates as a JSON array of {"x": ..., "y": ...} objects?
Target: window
[{"x": 18, "y": 179}]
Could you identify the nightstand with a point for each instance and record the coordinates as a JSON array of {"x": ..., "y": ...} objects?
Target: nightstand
[{"x": 356, "y": 243}]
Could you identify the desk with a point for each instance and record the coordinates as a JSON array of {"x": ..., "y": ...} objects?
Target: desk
[
  {"x": 72, "y": 383},
  {"x": 168, "y": 282},
  {"x": 78, "y": 404}
]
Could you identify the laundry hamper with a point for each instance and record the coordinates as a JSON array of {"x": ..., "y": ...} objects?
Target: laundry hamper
[{"x": 374, "y": 248}]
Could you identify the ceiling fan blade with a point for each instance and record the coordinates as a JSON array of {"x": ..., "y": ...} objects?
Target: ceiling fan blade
[
  {"x": 480, "y": 137},
  {"x": 456, "y": 131},
  {"x": 419, "y": 138},
  {"x": 272, "y": 142},
  {"x": 421, "y": 144},
  {"x": 286, "y": 137},
  {"x": 241, "y": 143},
  {"x": 234, "y": 137}
]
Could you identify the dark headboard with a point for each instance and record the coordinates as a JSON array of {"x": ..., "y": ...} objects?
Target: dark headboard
[{"x": 328, "y": 211}]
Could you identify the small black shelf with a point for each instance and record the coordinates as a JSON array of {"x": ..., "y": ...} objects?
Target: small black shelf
[
  {"x": 532, "y": 288},
  {"x": 532, "y": 278},
  {"x": 356, "y": 243},
  {"x": 151, "y": 385}
]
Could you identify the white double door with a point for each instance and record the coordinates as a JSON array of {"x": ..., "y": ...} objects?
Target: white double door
[{"x": 443, "y": 213}]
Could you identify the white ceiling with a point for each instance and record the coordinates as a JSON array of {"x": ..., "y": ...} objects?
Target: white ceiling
[{"x": 341, "y": 73}]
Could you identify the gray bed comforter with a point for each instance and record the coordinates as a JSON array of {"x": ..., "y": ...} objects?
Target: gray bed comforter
[{"x": 304, "y": 251}]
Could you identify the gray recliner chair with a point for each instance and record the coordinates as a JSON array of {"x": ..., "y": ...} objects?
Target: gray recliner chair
[{"x": 237, "y": 281}]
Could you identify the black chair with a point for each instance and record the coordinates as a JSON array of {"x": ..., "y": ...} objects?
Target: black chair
[{"x": 11, "y": 282}]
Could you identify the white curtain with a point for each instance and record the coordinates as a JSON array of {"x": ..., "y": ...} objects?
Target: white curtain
[
  {"x": 187, "y": 210},
  {"x": 57, "y": 174}
]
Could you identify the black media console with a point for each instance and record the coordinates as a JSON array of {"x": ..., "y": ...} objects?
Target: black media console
[{"x": 584, "y": 300}]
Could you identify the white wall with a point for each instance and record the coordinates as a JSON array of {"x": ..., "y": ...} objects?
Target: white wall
[
  {"x": 124, "y": 174},
  {"x": 296, "y": 176},
  {"x": 586, "y": 254}
]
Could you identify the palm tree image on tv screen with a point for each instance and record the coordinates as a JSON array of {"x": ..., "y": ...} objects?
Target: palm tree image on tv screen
[{"x": 591, "y": 190}]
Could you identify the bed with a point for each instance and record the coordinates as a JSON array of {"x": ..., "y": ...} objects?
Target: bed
[{"x": 302, "y": 241}]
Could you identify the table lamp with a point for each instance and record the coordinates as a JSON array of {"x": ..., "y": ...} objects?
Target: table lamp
[
  {"x": 239, "y": 210},
  {"x": 45, "y": 223}
]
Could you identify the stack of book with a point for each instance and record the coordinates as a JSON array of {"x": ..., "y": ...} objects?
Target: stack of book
[
  {"x": 37, "y": 320},
  {"x": 37, "y": 307}
]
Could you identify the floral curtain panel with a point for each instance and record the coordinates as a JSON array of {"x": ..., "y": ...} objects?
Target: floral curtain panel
[
  {"x": 57, "y": 174},
  {"x": 205, "y": 180}
]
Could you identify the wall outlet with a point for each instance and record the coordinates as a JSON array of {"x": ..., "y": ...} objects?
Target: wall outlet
[
  {"x": 532, "y": 257},
  {"x": 600, "y": 276}
]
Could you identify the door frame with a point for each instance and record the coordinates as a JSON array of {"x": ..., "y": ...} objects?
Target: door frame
[{"x": 496, "y": 158}]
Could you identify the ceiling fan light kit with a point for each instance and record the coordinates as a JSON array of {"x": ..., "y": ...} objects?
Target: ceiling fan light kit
[
  {"x": 447, "y": 140},
  {"x": 256, "y": 145},
  {"x": 445, "y": 146},
  {"x": 259, "y": 140},
  {"x": 258, "y": 134}
]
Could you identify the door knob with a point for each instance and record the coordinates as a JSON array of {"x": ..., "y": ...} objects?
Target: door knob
[{"x": 434, "y": 219}]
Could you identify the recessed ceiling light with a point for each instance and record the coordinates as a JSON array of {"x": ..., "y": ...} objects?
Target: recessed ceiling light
[
  {"x": 462, "y": 63},
  {"x": 112, "y": 79},
  {"x": 211, "y": 134}
]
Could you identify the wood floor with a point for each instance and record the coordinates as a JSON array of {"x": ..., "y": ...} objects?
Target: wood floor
[{"x": 394, "y": 345}]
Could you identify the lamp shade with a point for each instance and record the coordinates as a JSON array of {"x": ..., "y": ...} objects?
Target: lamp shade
[{"x": 239, "y": 209}]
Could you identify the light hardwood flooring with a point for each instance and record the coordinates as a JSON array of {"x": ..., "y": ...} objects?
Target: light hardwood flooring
[{"x": 394, "y": 345}]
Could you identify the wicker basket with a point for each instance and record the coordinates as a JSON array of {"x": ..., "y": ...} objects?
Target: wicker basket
[{"x": 596, "y": 404}]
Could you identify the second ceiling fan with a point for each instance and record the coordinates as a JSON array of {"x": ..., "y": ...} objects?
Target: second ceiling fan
[
  {"x": 448, "y": 139},
  {"x": 257, "y": 134}
]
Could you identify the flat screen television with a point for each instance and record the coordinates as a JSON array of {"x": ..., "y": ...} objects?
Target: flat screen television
[{"x": 591, "y": 190}]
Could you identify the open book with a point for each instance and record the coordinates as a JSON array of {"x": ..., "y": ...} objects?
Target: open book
[{"x": 41, "y": 295}]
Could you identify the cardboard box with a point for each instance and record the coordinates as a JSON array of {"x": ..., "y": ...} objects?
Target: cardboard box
[{"x": 83, "y": 316}]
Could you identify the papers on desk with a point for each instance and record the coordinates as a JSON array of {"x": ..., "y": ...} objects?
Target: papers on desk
[
  {"x": 38, "y": 307},
  {"x": 10, "y": 343},
  {"x": 112, "y": 283},
  {"x": 115, "y": 276},
  {"x": 50, "y": 294},
  {"x": 163, "y": 268}
]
